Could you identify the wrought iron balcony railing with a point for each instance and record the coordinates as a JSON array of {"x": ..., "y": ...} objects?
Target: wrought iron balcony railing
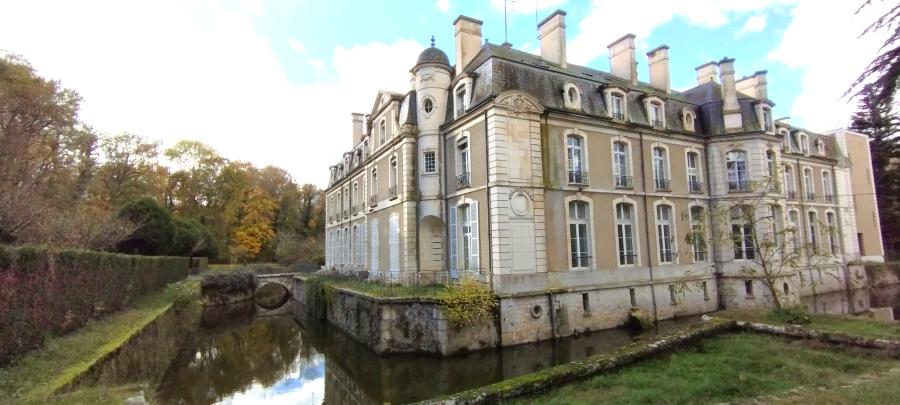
[
  {"x": 373, "y": 200},
  {"x": 829, "y": 198},
  {"x": 666, "y": 257},
  {"x": 623, "y": 181},
  {"x": 791, "y": 195},
  {"x": 578, "y": 177},
  {"x": 618, "y": 116},
  {"x": 463, "y": 180},
  {"x": 700, "y": 256},
  {"x": 582, "y": 260},
  {"x": 392, "y": 192},
  {"x": 695, "y": 187},
  {"x": 657, "y": 123},
  {"x": 627, "y": 258},
  {"x": 810, "y": 196},
  {"x": 663, "y": 184},
  {"x": 738, "y": 185}
]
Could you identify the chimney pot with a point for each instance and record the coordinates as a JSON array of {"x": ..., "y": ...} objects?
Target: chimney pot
[
  {"x": 658, "y": 61},
  {"x": 468, "y": 40},
  {"x": 707, "y": 72},
  {"x": 357, "y": 119},
  {"x": 621, "y": 58},
  {"x": 552, "y": 33}
]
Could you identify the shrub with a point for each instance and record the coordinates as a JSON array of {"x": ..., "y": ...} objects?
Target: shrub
[
  {"x": 467, "y": 303},
  {"x": 51, "y": 292},
  {"x": 222, "y": 287},
  {"x": 155, "y": 228},
  {"x": 191, "y": 238},
  {"x": 795, "y": 315}
]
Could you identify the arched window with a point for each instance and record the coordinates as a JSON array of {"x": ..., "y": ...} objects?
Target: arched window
[
  {"x": 808, "y": 189},
  {"x": 832, "y": 232},
  {"x": 812, "y": 221},
  {"x": 695, "y": 184},
  {"x": 736, "y": 164},
  {"x": 742, "y": 232},
  {"x": 790, "y": 186},
  {"x": 660, "y": 169},
  {"x": 827, "y": 186},
  {"x": 616, "y": 104},
  {"x": 577, "y": 173},
  {"x": 579, "y": 235},
  {"x": 621, "y": 172},
  {"x": 665, "y": 233},
  {"x": 698, "y": 234},
  {"x": 625, "y": 237},
  {"x": 656, "y": 113}
]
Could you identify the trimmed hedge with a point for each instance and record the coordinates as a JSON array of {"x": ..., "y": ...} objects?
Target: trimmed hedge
[{"x": 46, "y": 292}]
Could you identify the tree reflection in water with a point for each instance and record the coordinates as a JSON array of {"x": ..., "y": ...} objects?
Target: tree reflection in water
[{"x": 221, "y": 362}]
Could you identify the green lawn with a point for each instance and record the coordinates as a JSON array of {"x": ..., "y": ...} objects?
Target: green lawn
[
  {"x": 848, "y": 325},
  {"x": 34, "y": 377},
  {"x": 379, "y": 289},
  {"x": 723, "y": 368}
]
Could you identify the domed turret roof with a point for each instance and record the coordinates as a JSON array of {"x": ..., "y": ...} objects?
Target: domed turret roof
[{"x": 433, "y": 55}]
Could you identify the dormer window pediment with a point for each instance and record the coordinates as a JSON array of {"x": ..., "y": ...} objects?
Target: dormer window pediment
[{"x": 616, "y": 103}]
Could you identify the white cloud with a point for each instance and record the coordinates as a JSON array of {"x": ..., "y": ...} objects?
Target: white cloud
[
  {"x": 600, "y": 26},
  {"x": 443, "y": 5},
  {"x": 296, "y": 45},
  {"x": 825, "y": 43},
  {"x": 318, "y": 65},
  {"x": 526, "y": 6},
  {"x": 755, "y": 23},
  {"x": 207, "y": 75},
  {"x": 254, "y": 6}
]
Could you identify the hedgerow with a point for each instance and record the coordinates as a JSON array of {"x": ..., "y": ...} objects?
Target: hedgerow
[{"x": 46, "y": 292}]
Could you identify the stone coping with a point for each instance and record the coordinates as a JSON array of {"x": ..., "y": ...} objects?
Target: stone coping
[
  {"x": 559, "y": 375},
  {"x": 799, "y": 332},
  {"x": 375, "y": 298}
]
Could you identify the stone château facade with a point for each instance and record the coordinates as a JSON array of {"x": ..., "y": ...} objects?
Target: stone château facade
[{"x": 577, "y": 194}]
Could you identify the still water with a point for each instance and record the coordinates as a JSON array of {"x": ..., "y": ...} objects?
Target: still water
[{"x": 291, "y": 359}]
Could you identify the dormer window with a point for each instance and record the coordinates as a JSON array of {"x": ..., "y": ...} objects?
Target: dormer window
[
  {"x": 572, "y": 96},
  {"x": 461, "y": 98},
  {"x": 655, "y": 113},
  {"x": 688, "y": 118},
  {"x": 804, "y": 144},
  {"x": 615, "y": 99},
  {"x": 820, "y": 147},
  {"x": 766, "y": 117},
  {"x": 382, "y": 131}
]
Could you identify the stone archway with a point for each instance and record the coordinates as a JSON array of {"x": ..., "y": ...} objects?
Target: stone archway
[{"x": 431, "y": 244}]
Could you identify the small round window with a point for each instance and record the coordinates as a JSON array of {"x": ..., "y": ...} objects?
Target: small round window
[{"x": 428, "y": 105}]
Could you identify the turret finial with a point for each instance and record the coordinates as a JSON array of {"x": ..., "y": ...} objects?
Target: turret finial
[{"x": 432, "y": 41}]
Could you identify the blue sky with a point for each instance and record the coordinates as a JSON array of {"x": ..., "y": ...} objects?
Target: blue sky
[{"x": 275, "y": 81}]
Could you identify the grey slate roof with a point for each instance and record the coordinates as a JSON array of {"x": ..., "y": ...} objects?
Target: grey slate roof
[{"x": 433, "y": 55}]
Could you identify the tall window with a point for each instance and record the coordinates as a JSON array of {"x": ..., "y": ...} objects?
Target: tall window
[
  {"x": 767, "y": 119},
  {"x": 579, "y": 234},
  {"x": 777, "y": 223},
  {"x": 460, "y": 100},
  {"x": 736, "y": 164},
  {"x": 804, "y": 144},
  {"x": 793, "y": 230},
  {"x": 462, "y": 163},
  {"x": 693, "y": 172},
  {"x": 621, "y": 177},
  {"x": 617, "y": 106},
  {"x": 832, "y": 232},
  {"x": 770, "y": 164},
  {"x": 812, "y": 221},
  {"x": 393, "y": 177},
  {"x": 468, "y": 216},
  {"x": 373, "y": 245},
  {"x": 664, "y": 233},
  {"x": 698, "y": 234},
  {"x": 656, "y": 114},
  {"x": 355, "y": 198},
  {"x": 382, "y": 131},
  {"x": 430, "y": 163},
  {"x": 660, "y": 174},
  {"x": 625, "y": 233},
  {"x": 808, "y": 188},
  {"x": 575, "y": 154},
  {"x": 741, "y": 233},
  {"x": 373, "y": 186},
  {"x": 789, "y": 185},
  {"x": 827, "y": 186}
]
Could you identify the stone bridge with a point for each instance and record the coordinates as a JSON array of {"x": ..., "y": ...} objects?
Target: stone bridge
[{"x": 291, "y": 283}]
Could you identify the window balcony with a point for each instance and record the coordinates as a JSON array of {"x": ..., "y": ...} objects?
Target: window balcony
[
  {"x": 581, "y": 261},
  {"x": 791, "y": 195},
  {"x": 656, "y": 123},
  {"x": 373, "y": 200},
  {"x": 701, "y": 256},
  {"x": 666, "y": 257},
  {"x": 829, "y": 198},
  {"x": 346, "y": 213},
  {"x": 578, "y": 177},
  {"x": 354, "y": 209},
  {"x": 617, "y": 116},
  {"x": 627, "y": 259},
  {"x": 663, "y": 184},
  {"x": 695, "y": 186},
  {"x": 810, "y": 196},
  {"x": 463, "y": 180},
  {"x": 392, "y": 192},
  {"x": 738, "y": 186},
  {"x": 623, "y": 182}
]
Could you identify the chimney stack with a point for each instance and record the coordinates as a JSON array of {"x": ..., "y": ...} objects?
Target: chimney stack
[
  {"x": 552, "y": 33},
  {"x": 357, "y": 128},
  {"x": 707, "y": 72},
  {"x": 658, "y": 60},
  {"x": 731, "y": 110},
  {"x": 754, "y": 86},
  {"x": 468, "y": 40},
  {"x": 621, "y": 58}
]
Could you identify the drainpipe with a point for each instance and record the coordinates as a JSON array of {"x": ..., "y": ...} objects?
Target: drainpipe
[
  {"x": 647, "y": 229},
  {"x": 714, "y": 246}
]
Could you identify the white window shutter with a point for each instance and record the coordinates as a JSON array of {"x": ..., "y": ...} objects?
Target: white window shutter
[
  {"x": 452, "y": 230},
  {"x": 373, "y": 264},
  {"x": 395, "y": 245},
  {"x": 473, "y": 247}
]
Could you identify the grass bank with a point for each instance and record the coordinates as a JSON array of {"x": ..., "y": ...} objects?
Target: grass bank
[
  {"x": 726, "y": 368},
  {"x": 34, "y": 377},
  {"x": 378, "y": 289},
  {"x": 853, "y": 326}
]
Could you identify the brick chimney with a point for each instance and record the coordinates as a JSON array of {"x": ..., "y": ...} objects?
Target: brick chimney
[
  {"x": 358, "y": 123},
  {"x": 468, "y": 40},
  {"x": 731, "y": 110},
  {"x": 707, "y": 72},
  {"x": 552, "y": 32},
  {"x": 621, "y": 58},
  {"x": 658, "y": 60}
]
